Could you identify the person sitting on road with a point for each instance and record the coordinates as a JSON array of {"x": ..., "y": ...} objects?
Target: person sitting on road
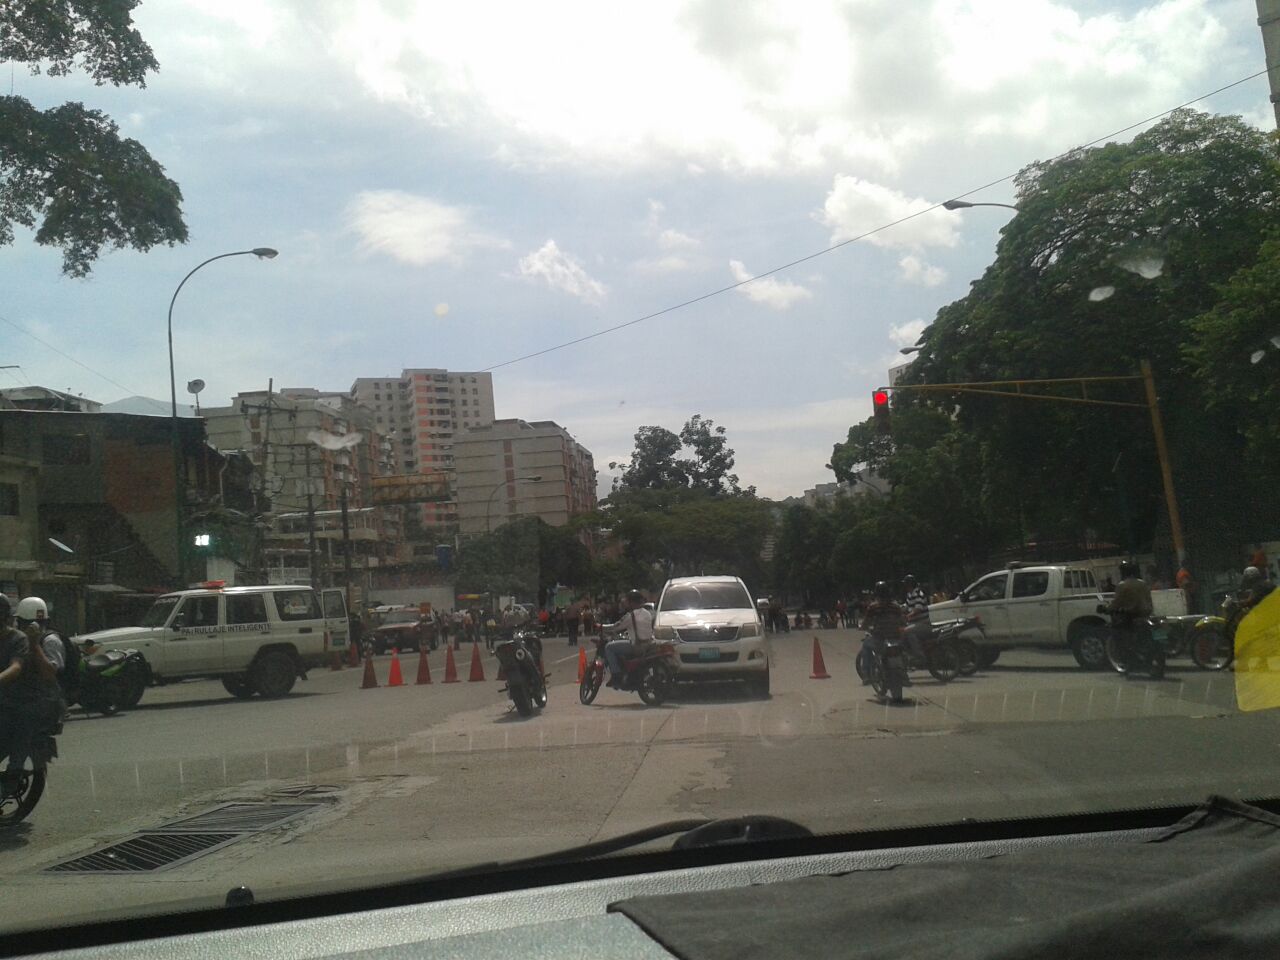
[
  {"x": 637, "y": 624},
  {"x": 918, "y": 627}
]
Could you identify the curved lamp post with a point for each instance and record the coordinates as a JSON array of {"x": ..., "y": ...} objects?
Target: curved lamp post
[
  {"x": 262, "y": 253},
  {"x": 488, "y": 508},
  {"x": 965, "y": 205}
]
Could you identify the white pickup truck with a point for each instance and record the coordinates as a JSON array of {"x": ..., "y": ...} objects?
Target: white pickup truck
[
  {"x": 254, "y": 639},
  {"x": 1053, "y": 606}
]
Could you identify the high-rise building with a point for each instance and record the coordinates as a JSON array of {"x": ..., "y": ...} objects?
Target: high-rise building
[
  {"x": 495, "y": 466},
  {"x": 423, "y": 411}
]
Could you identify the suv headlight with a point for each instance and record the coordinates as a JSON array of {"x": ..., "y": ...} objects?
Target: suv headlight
[{"x": 748, "y": 630}]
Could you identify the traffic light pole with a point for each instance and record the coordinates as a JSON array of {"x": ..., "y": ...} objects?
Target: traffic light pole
[{"x": 1016, "y": 389}]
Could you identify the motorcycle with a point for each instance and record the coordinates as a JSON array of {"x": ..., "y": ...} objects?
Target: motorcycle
[
  {"x": 20, "y": 793},
  {"x": 105, "y": 682},
  {"x": 521, "y": 660},
  {"x": 652, "y": 675},
  {"x": 1213, "y": 639},
  {"x": 953, "y": 632},
  {"x": 1135, "y": 648},
  {"x": 883, "y": 662}
]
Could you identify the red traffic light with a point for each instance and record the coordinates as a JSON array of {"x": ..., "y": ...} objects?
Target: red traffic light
[
  {"x": 880, "y": 410},
  {"x": 880, "y": 400}
]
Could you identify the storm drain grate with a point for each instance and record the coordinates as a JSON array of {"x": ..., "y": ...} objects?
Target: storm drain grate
[
  {"x": 239, "y": 817},
  {"x": 176, "y": 843},
  {"x": 307, "y": 790},
  {"x": 147, "y": 852}
]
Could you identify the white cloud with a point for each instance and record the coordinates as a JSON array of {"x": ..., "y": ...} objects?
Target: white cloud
[
  {"x": 906, "y": 334},
  {"x": 915, "y": 270},
  {"x": 772, "y": 292},
  {"x": 661, "y": 265},
  {"x": 855, "y": 206},
  {"x": 675, "y": 240},
  {"x": 561, "y": 272},
  {"x": 414, "y": 229}
]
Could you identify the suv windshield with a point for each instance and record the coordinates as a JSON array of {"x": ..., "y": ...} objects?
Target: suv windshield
[
  {"x": 738, "y": 340},
  {"x": 159, "y": 612},
  {"x": 706, "y": 596}
]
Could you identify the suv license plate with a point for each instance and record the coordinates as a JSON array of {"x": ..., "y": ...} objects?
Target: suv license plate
[{"x": 708, "y": 653}]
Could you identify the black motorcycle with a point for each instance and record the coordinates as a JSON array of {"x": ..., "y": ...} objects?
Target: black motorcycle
[
  {"x": 21, "y": 790},
  {"x": 521, "y": 660},
  {"x": 953, "y": 633},
  {"x": 883, "y": 662},
  {"x": 1133, "y": 647}
]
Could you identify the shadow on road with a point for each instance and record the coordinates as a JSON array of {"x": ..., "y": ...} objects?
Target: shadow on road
[
  {"x": 713, "y": 692},
  {"x": 15, "y": 837},
  {"x": 228, "y": 700}
]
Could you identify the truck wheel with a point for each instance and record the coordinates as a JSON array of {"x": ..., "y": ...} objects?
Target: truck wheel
[
  {"x": 1090, "y": 647},
  {"x": 987, "y": 656},
  {"x": 238, "y": 687},
  {"x": 273, "y": 674}
]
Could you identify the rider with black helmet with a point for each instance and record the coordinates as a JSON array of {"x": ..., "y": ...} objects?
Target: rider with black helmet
[
  {"x": 637, "y": 624},
  {"x": 1132, "y": 601},
  {"x": 1254, "y": 585}
]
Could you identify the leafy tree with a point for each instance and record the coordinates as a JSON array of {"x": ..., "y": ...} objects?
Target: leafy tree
[
  {"x": 526, "y": 557},
  {"x": 656, "y": 462},
  {"x": 67, "y": 168},
  {"x": 712, "y": 458}
]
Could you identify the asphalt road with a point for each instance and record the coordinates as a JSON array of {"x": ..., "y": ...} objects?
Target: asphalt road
[{"x": 415, "y": 779}]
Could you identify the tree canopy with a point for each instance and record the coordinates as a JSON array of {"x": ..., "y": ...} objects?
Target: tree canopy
[
  {"x": 66, "y": 172},
  {"x": 656, "y": 462}
]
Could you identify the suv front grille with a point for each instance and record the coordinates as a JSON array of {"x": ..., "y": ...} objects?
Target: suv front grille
[{"x": 707, "y": 634}]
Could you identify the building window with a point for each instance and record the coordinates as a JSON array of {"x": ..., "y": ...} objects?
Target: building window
[
  {"x": 8, "y": 499},
  {"x": 65, "y": 450},
  {"x": 475, "y": 389}
]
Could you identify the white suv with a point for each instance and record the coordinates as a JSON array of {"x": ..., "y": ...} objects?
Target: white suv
[{"x": 718, "y": 634}]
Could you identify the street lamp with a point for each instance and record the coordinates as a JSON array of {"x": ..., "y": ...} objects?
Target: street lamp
[
  {"x": 965, "y": 205},
  {"x": 910, "y": 350},
  {"x": 488, "y": 509},
  {"x": 262, "y": 253}
]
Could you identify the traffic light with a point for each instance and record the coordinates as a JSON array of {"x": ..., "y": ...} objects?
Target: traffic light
[{"x": 880, "y": 406}]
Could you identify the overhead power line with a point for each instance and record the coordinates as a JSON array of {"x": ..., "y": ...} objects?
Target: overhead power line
[{"x": 862, "y": 236}]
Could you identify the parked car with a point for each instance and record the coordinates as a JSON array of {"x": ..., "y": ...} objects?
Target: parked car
[
  {"x": 1052, "y": 605},
  {"x": 716, "y": 629},
  {"x": 256, "y": 639}
]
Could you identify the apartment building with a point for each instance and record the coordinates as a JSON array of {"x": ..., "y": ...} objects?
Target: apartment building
[
  {"x": 422, "y": 412},
  {"x": 496, "y": 466}
]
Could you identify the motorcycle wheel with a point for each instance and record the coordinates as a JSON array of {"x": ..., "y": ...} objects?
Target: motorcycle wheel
[
  {"x": 15, "y": 806},
  {"x": 967, "y": 651},
  {"x": 1156, "y": 664},
  {"x": 523, "y": 701},
  {"x": 101, "y": 702},
  {"x": 590, "y": 685},
  {"x": 540, "y": 693},
  {"x": 135, "y": 684},
  {"x": 238, "y": 687},
  {"x": 1211, "y": 648},
  {"x": 654, "y": 684},
  {"x": 860, "y": 664},
  {"x": 1117, "y": 654},
  {"x": 944, "y": 661},
  {"x": 894, "y": 682},
  {"x": 876, "y": 674}
]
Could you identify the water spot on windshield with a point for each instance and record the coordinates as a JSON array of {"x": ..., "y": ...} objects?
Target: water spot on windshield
[
  {"x": 1275, "y": 341},
  {"x": 1257, "y": 355},
  {"x": 1100, "y": 293},
  {"x": 333, "y": 441},
  {"x": 442, "y": 310},
  {"x": 1146, "y": 265}
]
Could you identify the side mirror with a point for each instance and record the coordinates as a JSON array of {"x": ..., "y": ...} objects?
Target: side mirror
[
  {"x": 178, "y": 622},
  {"x": 962, "y": 597}
]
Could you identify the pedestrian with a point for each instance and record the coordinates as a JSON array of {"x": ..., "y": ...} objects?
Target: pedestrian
[
  {"x": 573, "y": 620},
  {"x": 588, "y": 616},
  {"x": 842, "y": 611}
]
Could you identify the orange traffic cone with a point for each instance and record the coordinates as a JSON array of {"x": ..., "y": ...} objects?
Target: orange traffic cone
[
  {"x": 335, "y": 661},
  {"x": 819, "y": 668},
  {"x": 370, "y": 681},
  {"x": 424, "y": 668},
  {"x": 582, "y": 663},
  {"x": 450, "y": 668},
  {"x": 477, "y": 668},
  {"x": 394, "y": 679},
  {"x": 353, "y": 655}
]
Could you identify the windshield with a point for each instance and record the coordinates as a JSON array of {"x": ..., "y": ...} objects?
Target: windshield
[
  {"x": 816, "y": 325},
  {"x": 159, "y": 613},
  {"x": 707, "y": 596}
]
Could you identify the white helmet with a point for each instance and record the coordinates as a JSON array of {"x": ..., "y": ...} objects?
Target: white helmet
[{"x": 31, "y": 608}]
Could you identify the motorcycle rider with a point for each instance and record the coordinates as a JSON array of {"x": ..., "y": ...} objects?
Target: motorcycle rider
[
  {"x": 1254, "y": 585},
  {"x": 32, "y": 617},
  {"x": 1131, "y": 606},
  {"x": 637, "y": 624},
  {"x": 917, "y": 609},
  {"x": 881, "y": 618},
  {"x": 29, "y": 695}
]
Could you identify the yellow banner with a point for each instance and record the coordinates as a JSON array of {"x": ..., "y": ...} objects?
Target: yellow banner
[{"x": 1258, "y": 656}]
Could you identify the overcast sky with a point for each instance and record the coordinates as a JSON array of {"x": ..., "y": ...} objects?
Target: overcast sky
[{"x": 461, "y": 184}]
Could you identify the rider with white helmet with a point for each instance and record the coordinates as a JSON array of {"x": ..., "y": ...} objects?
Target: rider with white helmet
[{"x": 32, "y": 617}]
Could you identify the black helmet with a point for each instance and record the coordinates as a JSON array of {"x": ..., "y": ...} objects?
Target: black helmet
[
  {"x": 909, "y": 580},
  {"x": 883, "y": 590},
  {"x": 1251, "y": 578},
  {"x": 635, "y": 596},
  {"x": 1128, "y": 568}
]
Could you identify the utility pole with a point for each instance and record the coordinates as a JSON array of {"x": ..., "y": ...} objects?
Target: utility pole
[
  {"x": 346, "y": 545},
  {"x": 266, "y": 447},
  {"x": 311, "y": 527},
  {"x": 1166, "y": 473},
  {"x": 1269, "y": 23}
]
